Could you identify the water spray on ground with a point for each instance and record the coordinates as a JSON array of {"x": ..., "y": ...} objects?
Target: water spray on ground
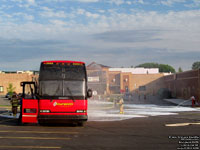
[{"x": 102, "y": 110}]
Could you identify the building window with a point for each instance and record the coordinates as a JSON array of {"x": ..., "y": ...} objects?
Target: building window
[
  {"x": 142, "y": 88},
  {"x": 1, "y": 89}
]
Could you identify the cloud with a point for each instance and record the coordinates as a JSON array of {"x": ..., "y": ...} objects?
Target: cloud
[
  {"x": 88, "y": 1},
  {"x": 141, "y": 1},
  {"x": 171, "y": 2},
  {"x": 50, "y": 13},
  {"x": 128, "y": 36},
  {"x": 62, "y": 1},
  {"x": 196, "y": 3},
  {"x": 29, "y": 17},
  {"x": 31, "y": 2},
  {"x": 56, "y": 31},
  {"x": 58, "y": 22},
  {"x": 93, "y": 15},
  {"x": 80, "y": 11},
  {"x": 116, "y": 2},
  {"x": 88, "y": 14},
  {"x": 129, "y": 2},
  {"x": 24, "y": 15}
]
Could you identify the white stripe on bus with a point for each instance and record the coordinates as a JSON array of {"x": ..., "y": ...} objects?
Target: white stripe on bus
[{"x": 29, "y": 115}]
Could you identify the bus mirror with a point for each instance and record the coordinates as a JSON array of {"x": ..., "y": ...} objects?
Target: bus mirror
[
  {"x": 21, "y": 83},
  {"x": 89, "y": 93}
]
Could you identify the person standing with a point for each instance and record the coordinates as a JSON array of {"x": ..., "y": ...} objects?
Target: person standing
[
  {"x": 121, "y": 106},
  {"x": 14, "y": 101},
  {"x": 193, "y": 101}
]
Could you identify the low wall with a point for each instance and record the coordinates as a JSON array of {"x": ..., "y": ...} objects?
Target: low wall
[
  {"x": 184, "y": 85},
  {"x": 180, "y": 85}
]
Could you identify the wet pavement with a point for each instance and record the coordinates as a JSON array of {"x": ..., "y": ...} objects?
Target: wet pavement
[
  {"x": 142, "y": 127},
  {"x": 107, "y": 111}
]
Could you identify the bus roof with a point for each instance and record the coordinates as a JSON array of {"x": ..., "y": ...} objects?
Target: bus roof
[{"x": 62, "y": 61}]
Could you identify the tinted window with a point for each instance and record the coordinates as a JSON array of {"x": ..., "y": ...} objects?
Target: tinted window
[
  {"x": 62, "y": 71},
  {"x": 62, "y": 88}
]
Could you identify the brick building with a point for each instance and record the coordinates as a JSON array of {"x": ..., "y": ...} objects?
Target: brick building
[
  {"x": 180, "y": 85},
  {"x": 104, "y": 80},
  {"x": 131, "y": 80},
  {"x": 97, "y": 78},
  {"x": 184, "y": 85},
  {"x": 15, "y": 79}
]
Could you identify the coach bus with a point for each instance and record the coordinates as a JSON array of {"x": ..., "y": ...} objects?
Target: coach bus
[{"x": 60, "y": 96}]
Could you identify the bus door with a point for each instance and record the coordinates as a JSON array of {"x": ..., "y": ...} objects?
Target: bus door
[{"x": 29, "y": 107}]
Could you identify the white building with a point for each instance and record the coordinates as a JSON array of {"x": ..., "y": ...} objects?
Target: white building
[{"x": 137, "y": 70}]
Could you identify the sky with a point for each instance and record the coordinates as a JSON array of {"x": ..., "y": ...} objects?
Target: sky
[{"x": 115, "y": 33}]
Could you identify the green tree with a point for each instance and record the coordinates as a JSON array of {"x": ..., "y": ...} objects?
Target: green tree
[
  {"x": 10, "y": 89},
  {"x": 149, "y": 65},
  {"x": 180, "y": 69},
  {"x": 196, "y": 65},
  {"x": 162, "y": 67}
]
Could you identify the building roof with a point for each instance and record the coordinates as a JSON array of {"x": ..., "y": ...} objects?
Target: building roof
[{"x": 96, "y": 66}]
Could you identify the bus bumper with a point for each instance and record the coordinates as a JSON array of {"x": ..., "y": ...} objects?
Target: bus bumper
[{"x": 62, "y": 118}]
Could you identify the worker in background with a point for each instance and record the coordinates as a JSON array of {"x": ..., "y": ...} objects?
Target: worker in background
[
  {"x": 145, "y": 96},
  {"x": 20, "y": 104},
  {"x": 121, "y": 106},
  {"x": 15, "y": 102},
  {"x": 115, "y": 103},
  {"x": 193, "y": 101}
]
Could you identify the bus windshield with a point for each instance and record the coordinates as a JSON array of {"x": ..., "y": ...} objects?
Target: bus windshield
[
  {"x": 62, "y": 71},
  {"x": 62, "y": 80},
  {"x": 62, "y": 88}
]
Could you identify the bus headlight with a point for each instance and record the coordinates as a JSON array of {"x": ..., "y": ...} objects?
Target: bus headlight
[
  {"x": 45, "y": 111},
  {"x": 81, "y": 111}
]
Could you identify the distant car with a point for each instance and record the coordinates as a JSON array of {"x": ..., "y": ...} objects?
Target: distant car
[{"x": 8, "y": 96}]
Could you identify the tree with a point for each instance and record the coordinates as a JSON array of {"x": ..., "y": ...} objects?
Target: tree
[
  {"x": 180, "y": 69},
  {"x": 196, "y": 65},
  {"x": 162, "y": 67},
  {"x": 149, "y": 65},
  {"x": 10, "y": 89}
]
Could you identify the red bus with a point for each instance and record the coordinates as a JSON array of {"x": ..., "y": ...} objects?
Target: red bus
[{"x": 60, "y": 96}]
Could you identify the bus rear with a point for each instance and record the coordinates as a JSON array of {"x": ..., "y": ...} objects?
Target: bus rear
[{"x": 63, "y": 92}]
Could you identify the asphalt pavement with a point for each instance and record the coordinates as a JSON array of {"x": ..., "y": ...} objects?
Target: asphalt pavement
[
  {"x": 4, "y": 101},
  {"x": 160, "y": 132},
  {"x": 168, "y": 132}
]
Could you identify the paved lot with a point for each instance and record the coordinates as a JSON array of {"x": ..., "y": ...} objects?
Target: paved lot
[
  {"x": 4, "y": 101},
  {"x": 137, "y": 133},
  {"x": 170, "y": 132}
]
